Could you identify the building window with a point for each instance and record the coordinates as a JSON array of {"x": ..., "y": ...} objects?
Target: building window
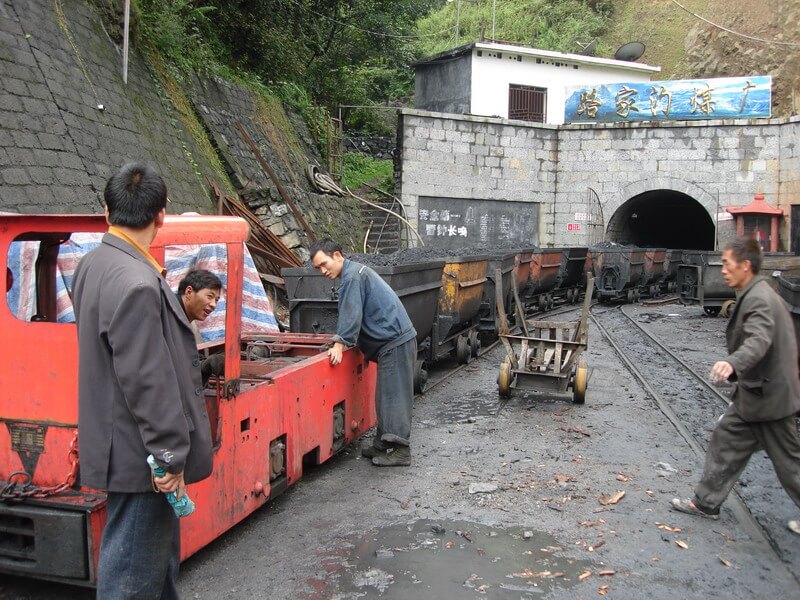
[{"x": 527, "y": 103}]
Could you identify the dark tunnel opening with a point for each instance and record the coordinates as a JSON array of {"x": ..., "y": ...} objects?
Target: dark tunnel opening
[{"x": 662, "y": 219}]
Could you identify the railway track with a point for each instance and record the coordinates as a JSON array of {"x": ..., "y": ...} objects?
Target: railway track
[{"x": 693, "y": 405}]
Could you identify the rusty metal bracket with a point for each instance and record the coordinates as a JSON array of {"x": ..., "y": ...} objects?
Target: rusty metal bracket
[{"x": 231, "y": 389}]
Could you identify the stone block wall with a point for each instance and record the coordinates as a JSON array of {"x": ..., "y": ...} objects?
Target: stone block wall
[
  {"x": 717, "y": 163},
  {"x": 68, "y": 121},
  {"x": 285, "y": 144},
  {"x": 459, "y": 156},
  {"x": 57, "y": 145}
]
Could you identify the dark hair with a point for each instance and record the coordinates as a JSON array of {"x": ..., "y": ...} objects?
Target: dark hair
[
  {"x": 326, "y": 245},
  {"x": 199, "y": 279},
  {"x": 745, "y": 248},
  {"x": 134, "y": 195}
]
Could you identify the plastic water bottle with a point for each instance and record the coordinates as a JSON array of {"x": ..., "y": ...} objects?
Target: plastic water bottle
[{"x": 184, "y": 506}]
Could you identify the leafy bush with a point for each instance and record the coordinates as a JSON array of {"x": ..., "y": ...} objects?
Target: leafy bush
[{"x": 361, "y": 168}]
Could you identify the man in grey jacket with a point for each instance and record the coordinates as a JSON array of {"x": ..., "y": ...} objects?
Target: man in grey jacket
[
  {"x": 762, "y": 361},
  {"x": 139, "y": 392},
  {"x": 372, "y": 317}
]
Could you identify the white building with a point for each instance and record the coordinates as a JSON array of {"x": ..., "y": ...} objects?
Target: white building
[{"x": 513, "y": 82}]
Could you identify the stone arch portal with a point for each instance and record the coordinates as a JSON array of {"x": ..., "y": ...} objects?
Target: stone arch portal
[{"x": 664, "y": 219}]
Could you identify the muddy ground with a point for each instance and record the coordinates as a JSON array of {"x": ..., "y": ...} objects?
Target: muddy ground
[{"x": 539, "y": 530}]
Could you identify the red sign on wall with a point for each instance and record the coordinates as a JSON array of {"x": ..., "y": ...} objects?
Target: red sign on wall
[{"x": 573, "y": 226}]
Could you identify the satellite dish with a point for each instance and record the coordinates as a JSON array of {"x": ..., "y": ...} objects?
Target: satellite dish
[
  {"x": 588, "y": 49},
  {"x": 629, "y": 52}
]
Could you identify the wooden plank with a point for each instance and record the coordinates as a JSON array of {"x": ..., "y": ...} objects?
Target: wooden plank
[{"x": 518, "y": 305}]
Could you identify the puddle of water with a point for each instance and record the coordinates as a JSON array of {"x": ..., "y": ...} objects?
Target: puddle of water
[
  {"x": 477, "y": 403},
  {"x": 446, "y": 559}
]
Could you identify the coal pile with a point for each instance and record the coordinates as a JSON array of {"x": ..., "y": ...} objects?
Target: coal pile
[{"x": 429, "y": 253}]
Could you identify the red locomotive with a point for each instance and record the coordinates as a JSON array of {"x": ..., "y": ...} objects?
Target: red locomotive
[{"x": 280, "y": 406}]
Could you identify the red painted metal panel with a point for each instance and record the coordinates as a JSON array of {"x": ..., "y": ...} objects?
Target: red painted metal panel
[{"x": 291, "y": 395}]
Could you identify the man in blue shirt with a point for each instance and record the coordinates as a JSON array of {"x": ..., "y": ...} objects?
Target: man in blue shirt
[{"x": 372, "y": 317}]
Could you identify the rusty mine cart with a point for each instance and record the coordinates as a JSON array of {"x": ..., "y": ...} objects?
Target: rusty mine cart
[{"x": 545, "y": 357}]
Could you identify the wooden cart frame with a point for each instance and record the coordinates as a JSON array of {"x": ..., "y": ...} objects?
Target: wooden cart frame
[{"x": 546, "y": 356}]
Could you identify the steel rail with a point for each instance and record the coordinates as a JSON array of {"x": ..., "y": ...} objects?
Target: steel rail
[
  {"x": 485, "y": 350},
  {"x": 740, "y": 510},
  {"x": 703, "y": 380}
]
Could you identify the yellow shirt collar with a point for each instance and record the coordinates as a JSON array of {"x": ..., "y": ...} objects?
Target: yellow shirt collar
[{"x": 123, "y": 236}]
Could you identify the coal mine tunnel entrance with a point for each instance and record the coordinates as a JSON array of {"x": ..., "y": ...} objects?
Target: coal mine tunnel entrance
[{"x": 662, "y": 219}]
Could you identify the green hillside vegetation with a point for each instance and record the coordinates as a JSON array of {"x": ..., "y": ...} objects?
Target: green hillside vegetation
[{"x": 546, "y": 24}]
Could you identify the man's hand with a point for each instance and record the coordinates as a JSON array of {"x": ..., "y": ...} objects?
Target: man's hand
[
  {"x": 335, "y": 353},
  {"x": 171, "y": 482},
  {"x": 721, "y": 371}
]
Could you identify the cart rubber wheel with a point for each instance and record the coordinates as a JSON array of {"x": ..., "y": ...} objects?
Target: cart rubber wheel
[
  {"x": 569, "y": 296},
  {"x": 727, "y": 308},
  {"x": 542, "y": 303},
  {"x": 712, "y": 311},
  {"x": 551, "y": 301},
  {"x": 463, "y": 351},
  {"x": 504, "y": 379},
  {"x": 474, "y": 343},
  {"x": 420, "y": 377},
  {"x": 579, "y": 384},
  {"x": 630, "y": 296},
  {"x": 637, "y": 295}
]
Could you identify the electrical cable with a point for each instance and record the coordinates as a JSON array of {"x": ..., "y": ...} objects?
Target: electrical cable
[{"x": 744, "y": 35}]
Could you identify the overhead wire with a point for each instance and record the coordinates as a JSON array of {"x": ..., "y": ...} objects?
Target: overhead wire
[
  {"x": 376, "y": 33},
  {"x": 744, "y": 35}
]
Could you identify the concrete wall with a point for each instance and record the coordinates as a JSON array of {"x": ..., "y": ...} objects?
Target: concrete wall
[
  {"x": 445, "y": 86},
  {"x": 476, "y": 157}
]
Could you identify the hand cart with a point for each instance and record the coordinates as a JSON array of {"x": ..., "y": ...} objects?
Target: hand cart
[{"x": 545, "y": 357}]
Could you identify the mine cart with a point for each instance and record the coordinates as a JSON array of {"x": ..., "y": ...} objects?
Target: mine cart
[
  {"x": 455, "y": 326},
  {"x": 571, "y": 273},
  {"x": 522, "y": 269},
  {"x": 545, "y": 357},
  {"x": 700, "y": 281},
  {"x": 654, "y": 265},
  {"x": 545, "y": 268},
  {"x": 505, "y": 261},
  {"x": 619, "y": 273}
]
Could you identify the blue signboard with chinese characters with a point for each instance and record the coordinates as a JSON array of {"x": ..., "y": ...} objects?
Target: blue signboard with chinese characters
[{"x": 685, "y": 99}]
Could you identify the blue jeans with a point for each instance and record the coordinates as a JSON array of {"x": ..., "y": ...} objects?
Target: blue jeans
[{"x": 140, "y": 549}]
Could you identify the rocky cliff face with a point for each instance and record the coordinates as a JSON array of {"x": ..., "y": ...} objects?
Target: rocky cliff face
[
  {"x": 68, "y": 121},
  {"x": 687, "y": 47}
]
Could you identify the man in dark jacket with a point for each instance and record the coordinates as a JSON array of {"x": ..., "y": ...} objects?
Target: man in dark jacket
[
  {"x": 372, "y": 317},
  {"x": 762, "y": 361},
  {"x": 139, "y": 392},
  {"x": 198, "y": 294}
]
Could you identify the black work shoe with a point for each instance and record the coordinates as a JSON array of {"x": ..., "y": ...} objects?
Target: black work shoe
[
  {"x": 372, "y": 451},
  {"x": 690, "y": 508},
  {"x": 397, "y": 456}
]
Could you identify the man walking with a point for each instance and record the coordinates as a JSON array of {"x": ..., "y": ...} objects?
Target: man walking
[
  {"x": 762, "y": 361},
  {"x": 139, "y": 392},
  {"x": 372, "y": 317}
]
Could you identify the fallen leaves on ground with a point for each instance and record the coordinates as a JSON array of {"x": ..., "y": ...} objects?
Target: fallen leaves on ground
[
  {"x": 596, "y": 546},
  {"x": 606, "y": 572},
  {"x": 668, "y": 528},
  {"x": 602, "y": 590},
  {"x": 551, "y": 549},
  {"x": 450, "y": 544},
  {"x": 682, "y": 544},
  {"x": 527, "y": 573},
  {"x": 592, "y": 523},
  {"x": 584, "y": 575},
  {"x": 575, "y": 430},
  {"x": 607, "y": 499},
  {"x": 561, "y": 478},
  {"x": 650, "y": 493},
  {"x": 622, "y": 477},
  {"x": 725, "y": 562}
]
